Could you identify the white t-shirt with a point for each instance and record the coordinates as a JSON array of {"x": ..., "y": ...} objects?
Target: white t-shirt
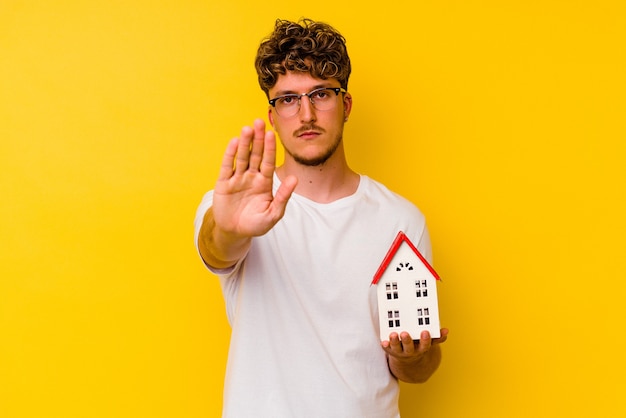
[{"x": 304, "y": 318}]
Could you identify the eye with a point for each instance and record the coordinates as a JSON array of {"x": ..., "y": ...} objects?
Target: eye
[
  {"x": 287, "y": 100},
  {"x": 320, "y": 94}
]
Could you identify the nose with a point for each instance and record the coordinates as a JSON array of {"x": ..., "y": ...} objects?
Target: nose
[{"x": 307, "y": 111}]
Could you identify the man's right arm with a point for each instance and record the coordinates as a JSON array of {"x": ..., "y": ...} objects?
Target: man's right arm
[
  {"x": 217, "y": 248},
  {"x": 243, "y": 204}
]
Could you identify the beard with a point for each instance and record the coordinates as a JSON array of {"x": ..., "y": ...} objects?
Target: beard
[{"x": 319, "y": 159}]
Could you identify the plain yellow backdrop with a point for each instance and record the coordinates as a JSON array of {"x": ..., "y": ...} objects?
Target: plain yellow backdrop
[{"x": 503, "y": 121}]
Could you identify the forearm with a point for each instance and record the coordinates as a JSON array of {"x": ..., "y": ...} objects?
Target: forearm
[
  {"x": 416, "y": 370},
  {"x": 217, "y": 248}
]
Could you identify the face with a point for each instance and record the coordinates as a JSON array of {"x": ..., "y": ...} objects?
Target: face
[{"x": 311, "y": 137}]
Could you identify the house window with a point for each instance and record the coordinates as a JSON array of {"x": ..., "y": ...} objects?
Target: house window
[
  {"x": 423, "y": 316},
  {"x": 392, "y": 290},
  {"x": 402, "y": 266},
  {"x": 420, "y": 289},
  {"x": 394, "y": 318}
]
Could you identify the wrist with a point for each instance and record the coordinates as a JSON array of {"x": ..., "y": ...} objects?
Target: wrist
[{"x": 218, "y": 247}]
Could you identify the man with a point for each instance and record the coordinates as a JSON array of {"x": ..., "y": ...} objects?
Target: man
[{"x": 295, "y": 248}]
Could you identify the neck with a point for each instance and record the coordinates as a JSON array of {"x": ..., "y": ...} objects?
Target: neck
[{"x": 323, "y": 183}]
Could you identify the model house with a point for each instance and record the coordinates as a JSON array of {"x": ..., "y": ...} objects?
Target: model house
[{"x": 407, "y": 292}]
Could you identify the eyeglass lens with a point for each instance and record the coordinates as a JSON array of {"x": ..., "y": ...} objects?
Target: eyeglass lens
[{"x": 321, "y": 99}]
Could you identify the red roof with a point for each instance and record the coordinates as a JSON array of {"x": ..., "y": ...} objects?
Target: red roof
[{"x": 392, "y": 251}]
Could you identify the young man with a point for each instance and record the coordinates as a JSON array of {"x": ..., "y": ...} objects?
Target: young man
[{"x": 295, "y": 248}]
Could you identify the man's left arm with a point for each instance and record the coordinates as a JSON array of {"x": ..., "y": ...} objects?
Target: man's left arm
[{"x": 414, "y": 361}]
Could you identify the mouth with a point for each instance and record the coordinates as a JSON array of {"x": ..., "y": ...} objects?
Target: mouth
[
  {"x": 308, "y": 132},
  {"x": 308, "y": 135}
]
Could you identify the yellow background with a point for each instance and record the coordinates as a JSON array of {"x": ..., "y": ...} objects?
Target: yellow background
[{"x": 504, "y": 121}]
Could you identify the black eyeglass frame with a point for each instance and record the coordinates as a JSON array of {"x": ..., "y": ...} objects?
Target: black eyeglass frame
[{"x": 337, "y": 90}]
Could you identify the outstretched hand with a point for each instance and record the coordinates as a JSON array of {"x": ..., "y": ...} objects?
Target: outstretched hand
[{"x": 243, "y": 203}]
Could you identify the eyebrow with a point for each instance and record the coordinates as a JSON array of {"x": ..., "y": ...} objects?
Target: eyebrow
[{"x": 317, "y": 86}]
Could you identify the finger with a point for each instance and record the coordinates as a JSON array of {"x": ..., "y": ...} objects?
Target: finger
[
  {"x": 256, "y": 152},
  {"x": 284, "y": 192},
  {"x": 242, "y": 160},
  {"x": 425, "y": 342},
  {"x": 408, "y": 347},
  {"x": 228, "y": 161},
  {"x": 268, "y": 162},
  {"x": 395, "y": 345},
  {"x": 443, "y": 338}
]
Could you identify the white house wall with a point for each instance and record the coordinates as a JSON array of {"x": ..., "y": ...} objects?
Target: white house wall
[{"x": 407, "y": 303}]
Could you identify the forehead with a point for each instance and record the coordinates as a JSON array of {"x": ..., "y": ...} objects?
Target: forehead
[{"x": 298, "y": 82}]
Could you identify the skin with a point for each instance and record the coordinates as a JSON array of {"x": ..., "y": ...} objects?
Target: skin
[
  {"x": 313, "y": 136},
  {"x": 414, "y": 362},
  {"x": 315, "y": 167}
]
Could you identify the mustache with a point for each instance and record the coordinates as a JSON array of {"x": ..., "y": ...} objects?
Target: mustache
[{"x": 307, "y": 128}]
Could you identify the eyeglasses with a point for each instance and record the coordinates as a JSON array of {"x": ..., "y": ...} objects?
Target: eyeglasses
[{"x": 321, "y": 99}]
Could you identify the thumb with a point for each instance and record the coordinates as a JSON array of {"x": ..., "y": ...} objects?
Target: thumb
[{"x": 284, "y": 192}]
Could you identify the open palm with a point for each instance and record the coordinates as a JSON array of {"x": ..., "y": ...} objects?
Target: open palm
[{"x": 243, "y": 202}]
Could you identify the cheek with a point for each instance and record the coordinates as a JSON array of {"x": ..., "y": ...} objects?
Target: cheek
[{"x": 282, "y": 128}]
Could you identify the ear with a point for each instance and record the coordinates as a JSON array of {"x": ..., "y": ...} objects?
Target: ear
[
  {"x": 347, "y": 105},
  {"x": 270, "y": 116}
]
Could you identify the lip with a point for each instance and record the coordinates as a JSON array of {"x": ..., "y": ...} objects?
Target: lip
[{"x": 309, "y": 135}]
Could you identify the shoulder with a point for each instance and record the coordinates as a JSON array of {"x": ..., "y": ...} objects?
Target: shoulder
[{"x": 379, "y": 192}]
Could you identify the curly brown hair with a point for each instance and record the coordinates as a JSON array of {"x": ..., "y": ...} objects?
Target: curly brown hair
[{"x": 307, "y": 46}]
